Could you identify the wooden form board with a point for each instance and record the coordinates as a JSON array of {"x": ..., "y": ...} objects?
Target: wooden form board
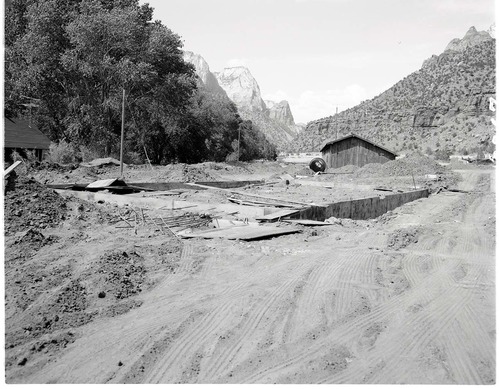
[
  {"x": 248, "y": 232},
  {"x": 278, "y": 215},
  {"x": 306, "y": 222}
]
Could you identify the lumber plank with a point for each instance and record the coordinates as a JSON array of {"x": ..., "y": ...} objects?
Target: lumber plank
[
  {"x": 277, "y": 215},
  {"x": 251, "y": 195},
  {"x": 258, "y": 203},
  {"x": 246, "y": 232},
  {"x": 11, "y": 168},
  {"x": 306, "y": 222}
]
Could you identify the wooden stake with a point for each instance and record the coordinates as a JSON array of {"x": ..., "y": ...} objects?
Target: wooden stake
[{"x": 122, "y": 133}]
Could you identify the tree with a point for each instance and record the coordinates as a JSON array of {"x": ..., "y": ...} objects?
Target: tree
[
  {"x": 73, "y": 58},
  {"x": 77, "y": 56}
]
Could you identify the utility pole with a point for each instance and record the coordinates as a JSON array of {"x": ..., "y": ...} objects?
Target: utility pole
[
  {"x": 122, "y": 133},
  {"x": 238, "y": 141},
  {"x": 336, "y": 122}
]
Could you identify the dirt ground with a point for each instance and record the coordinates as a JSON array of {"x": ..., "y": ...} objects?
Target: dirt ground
[{"x": 407, "y": 298}]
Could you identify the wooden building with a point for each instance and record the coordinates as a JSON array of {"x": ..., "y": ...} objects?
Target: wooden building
[
  {"x": 20, "y": 135},
  {"x": 354, "y": 150}
]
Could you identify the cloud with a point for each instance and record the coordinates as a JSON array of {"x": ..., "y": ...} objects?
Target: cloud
[
  {"x": 233, "y": 62},
  {"x": 277, "y": 97},
  {"x": 312, "y": 105},
  {"x": 321, "y": 1},
  {"x": 464, "y": 6}
]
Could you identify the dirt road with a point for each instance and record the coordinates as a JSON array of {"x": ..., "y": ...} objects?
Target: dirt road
[{"x": 407, "y": 298}]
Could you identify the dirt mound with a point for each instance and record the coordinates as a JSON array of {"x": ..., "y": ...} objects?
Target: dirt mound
[
  {"x": 123, "y": 273},
  {"x": 28, "y": 243},
  {"x": 403, "y": 238},
  {"x": 54, "y": 167},
  {"x": 415, "y": 164},
  {"x": 30, "y": 204},
  {"x": 344, "y": 169},
  {"x": 187, "y": 173}
]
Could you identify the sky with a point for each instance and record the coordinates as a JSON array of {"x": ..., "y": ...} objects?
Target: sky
[{"x": 320, "y": 55}]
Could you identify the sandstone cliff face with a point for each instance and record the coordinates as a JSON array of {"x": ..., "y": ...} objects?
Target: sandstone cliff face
[
  {"x": 276, "y": 123},
  {"x": 280, "y": 112},
  {"x": 239, "y": 86},
  {"x": 444, "y": 105},
  {"x": 242, "y": 88},
  {"x": 472, "y": 38},
  {"x": 203, "y": 72}
]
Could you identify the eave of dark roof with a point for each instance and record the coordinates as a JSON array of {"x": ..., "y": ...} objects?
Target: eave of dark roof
[
  {"x": 19, "y": 134},
  {"x": 358, "y": 137}
]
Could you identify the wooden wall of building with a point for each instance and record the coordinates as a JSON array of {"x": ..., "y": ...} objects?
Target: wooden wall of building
[{"x": 354, "y": 151}]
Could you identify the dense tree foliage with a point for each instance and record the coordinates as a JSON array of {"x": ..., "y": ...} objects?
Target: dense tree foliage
[{"x": 72, "y": 59}]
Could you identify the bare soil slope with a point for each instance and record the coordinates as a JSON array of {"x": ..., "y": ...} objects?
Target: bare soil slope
[{"x": 405, "y": 298}]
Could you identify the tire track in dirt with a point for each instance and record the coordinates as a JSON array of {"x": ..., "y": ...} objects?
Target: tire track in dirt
[
  {"x": 340, "y": 332},
  {"x": 481, "y": 338},
  {"x": 471, "y": 275},
  {"x": 380, "y": 313},
  {"x": 251, "y": 324},
  {"x": 424, "y": 329},
  {"x": 189, "y": 340},
  {"x": 235, "y": 291},
  {"x": 318, "y": 284},
  {"x": 435, "y": 281},
  {"x": 392, "y": 351},
  {"x": 346, "y": 294}
]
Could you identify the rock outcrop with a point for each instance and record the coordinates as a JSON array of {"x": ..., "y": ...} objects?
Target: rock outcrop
[
  {"x": 442, "y": 106},
  {"x": 472, "y": 38},
  {"x": 203, "y": 72},
  {"x": 238, "y": 85},
  {"x": 280, "y": 112},
  {"x": 242, "y": 88},
  {"x": 276, "y": 123}
]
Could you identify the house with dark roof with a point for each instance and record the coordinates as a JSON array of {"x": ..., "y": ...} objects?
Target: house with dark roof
[
  {"x": 354, "y": 150},
  {"x": 21, "y": 135}
]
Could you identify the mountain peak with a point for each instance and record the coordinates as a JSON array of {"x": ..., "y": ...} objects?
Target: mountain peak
[
  {"x": 203, "y": 72},
  {"x": 471, "y": 31},
  {"x": 241, "y": 87},
  {"x": 471, "y": 38},
  {"x": 281, "y": 112}
]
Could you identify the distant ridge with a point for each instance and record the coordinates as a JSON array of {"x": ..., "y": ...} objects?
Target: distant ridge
[{"x": 444, "y": 106}]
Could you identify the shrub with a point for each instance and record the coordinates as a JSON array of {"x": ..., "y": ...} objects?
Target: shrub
[
  {"x": 442, "y": 155},
  {"x": 87, "y": 154},
  {"x": 62, "y": 152},
  {"x": 133, "y": 158}
]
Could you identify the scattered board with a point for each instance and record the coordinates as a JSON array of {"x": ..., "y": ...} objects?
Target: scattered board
[
  {"x": 277, "y": 215},
  {"x": 306, "y": 222},
  {"x": 247, "y": 232}
]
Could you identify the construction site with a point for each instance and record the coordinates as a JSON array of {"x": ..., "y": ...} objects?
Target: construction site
[{"x": 261, "y": 272}]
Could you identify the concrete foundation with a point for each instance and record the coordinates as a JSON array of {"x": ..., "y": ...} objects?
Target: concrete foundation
[
  {"x": 169, "y": 204},
  {"x": 360, "y": 209}
]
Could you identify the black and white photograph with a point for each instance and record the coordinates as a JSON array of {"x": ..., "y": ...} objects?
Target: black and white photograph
[{"x": 290, "y": 192}]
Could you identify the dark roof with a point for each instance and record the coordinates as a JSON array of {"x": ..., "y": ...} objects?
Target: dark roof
[
  {"x": 330, "y": 142},
  {"x": 19, "y": 134}
]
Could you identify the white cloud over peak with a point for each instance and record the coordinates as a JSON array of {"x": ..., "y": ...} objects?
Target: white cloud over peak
[
  {"x": 233, "y": 62},
  {"x": 312, "y": 105},
  {"x": 277, "y": 96}
]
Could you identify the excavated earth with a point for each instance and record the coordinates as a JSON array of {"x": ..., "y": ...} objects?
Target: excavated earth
[{"x": 407, "y": 298}]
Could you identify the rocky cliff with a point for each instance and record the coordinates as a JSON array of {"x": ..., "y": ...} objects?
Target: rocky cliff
[
  {"x": 472, "y": 38},
  {"x": 281, "y": 113},
  {"x": 238, "y": 85},
  {"x": 242, "y": 88},
  {"x": 276, "y": 123},
  {"x": 442, "y": 106},
  {"x": 203, "y": 72}
]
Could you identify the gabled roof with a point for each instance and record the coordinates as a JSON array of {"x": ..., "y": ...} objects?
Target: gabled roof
[
  {"x": 19, "y": 134},
  {"x": 330, "y": 142}
]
